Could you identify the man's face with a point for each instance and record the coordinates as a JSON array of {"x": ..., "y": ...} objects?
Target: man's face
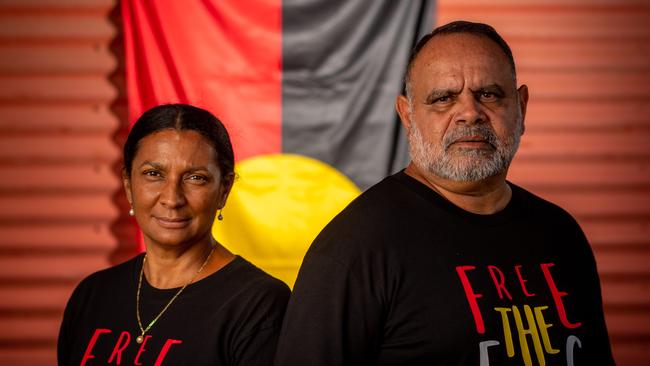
[{"x": 465, "y": 115}]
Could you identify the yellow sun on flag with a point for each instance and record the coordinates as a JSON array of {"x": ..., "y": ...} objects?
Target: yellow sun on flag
[{"x": 278, "y": 205}]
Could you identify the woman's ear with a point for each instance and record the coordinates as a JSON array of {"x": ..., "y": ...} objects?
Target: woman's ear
[
  {"x": 126, "y": 182},
  {"x": 226, "y": 185}
]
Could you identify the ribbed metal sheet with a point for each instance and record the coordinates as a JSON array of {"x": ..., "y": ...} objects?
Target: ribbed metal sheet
[
  {"x": 587, "y": 64},
  {"x": 59, "y": 214}
]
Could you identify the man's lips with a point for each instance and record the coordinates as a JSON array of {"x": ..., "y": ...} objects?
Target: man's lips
[
  {"x": 472, "y": 142},
  {"x": 172, "y": 222}
]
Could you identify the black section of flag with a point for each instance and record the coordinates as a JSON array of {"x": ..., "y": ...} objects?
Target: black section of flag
[{"x": 343, "y": 63}]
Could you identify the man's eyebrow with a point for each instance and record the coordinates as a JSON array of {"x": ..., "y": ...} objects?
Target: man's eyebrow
[
  {"x": 438, "y": 93},
  {"x": 492, "y": 88}
]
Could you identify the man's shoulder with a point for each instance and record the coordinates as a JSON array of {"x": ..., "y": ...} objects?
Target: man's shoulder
[
  {"x": 540, "y": 207},
  {"x": 376, "y": 204},
  {"x": 369, "y": 222},
  {"x": 388, "y": 194}
]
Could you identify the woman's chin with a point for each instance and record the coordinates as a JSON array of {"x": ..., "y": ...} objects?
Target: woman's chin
[{"x": 170, "y": 239}]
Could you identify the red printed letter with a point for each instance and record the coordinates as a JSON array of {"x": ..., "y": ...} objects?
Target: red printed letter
[
  {"x": 165, "y": 349},
  {"x": 117, "y": 351},
  {"x": 137, "y": 357},
  {"x": 499, "y": 283},
  {"x": 91, "y": 344},
  {"x": 522, "y": 281},
  {"x": 471, "y": 297},
  {"x": 557, "y": 296}
]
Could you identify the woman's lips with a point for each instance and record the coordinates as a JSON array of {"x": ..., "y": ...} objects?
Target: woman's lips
[{"x": 172, "y": 223}]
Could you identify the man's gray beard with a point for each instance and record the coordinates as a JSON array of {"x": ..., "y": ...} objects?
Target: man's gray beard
[{"x": 464, "y": 164}]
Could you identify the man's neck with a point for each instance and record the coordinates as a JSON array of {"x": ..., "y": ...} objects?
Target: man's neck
[{"x": 482, "y": 197}]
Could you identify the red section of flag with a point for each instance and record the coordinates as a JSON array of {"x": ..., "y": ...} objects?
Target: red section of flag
[{"x": 221, "y": 55}]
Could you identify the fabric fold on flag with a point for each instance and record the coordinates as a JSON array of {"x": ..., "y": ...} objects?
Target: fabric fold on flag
[
  {"x": 306, "y": 90},
  {"x": 343, "y": 63}
]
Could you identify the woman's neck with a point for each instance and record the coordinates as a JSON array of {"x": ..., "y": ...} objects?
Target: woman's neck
[{"x": 174, "y": 267}]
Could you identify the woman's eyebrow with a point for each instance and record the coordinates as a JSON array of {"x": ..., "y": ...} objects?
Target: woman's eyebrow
[{"x": 153, "y": 164}]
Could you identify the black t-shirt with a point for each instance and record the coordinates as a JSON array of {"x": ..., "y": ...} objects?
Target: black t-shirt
[
  {"x": 404, "y": 277},
  {"x": 231, "y": 317}
]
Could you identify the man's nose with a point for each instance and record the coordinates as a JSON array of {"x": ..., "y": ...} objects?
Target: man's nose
[{"x": 470, "y": 110}]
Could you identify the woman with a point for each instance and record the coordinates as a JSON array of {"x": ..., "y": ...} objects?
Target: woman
[{"x": 187, "y": 300}]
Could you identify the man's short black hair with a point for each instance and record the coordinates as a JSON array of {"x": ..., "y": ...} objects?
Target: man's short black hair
[{"x": 460, "y": 26}]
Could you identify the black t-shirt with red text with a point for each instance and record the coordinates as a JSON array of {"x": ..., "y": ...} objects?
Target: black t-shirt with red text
[
  {"x": 231, "y": 317},
  {"x": 404, "y": 277}
]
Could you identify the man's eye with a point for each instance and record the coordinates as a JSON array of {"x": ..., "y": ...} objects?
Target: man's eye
[
  {"x": 442, "y": 100},
  {"x": 488, "y": 96},
  {"x": 152, "y": 173}
]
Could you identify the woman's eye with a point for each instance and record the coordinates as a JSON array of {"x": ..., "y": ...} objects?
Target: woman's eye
[{"x": 198, "y": 178}]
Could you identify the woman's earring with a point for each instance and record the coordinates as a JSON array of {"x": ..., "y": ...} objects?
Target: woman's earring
[
  {"x": 219, "y": 215},
  {"x": 131, "y": 212}
]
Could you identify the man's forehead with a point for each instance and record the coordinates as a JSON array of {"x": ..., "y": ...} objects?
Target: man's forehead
[
  {"x": 448, "y": 56},
  {"x": 462, "y": 45}
]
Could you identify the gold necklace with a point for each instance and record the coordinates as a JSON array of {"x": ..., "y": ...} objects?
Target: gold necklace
[{"x": 143, "y": 330}]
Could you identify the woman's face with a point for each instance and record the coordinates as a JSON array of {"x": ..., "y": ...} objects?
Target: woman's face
[{"x": 176, "y": 188}]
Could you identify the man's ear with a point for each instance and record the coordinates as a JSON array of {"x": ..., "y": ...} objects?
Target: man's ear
[
  {"x": 523, "y": 103},
  {"x": 403, "y": 108}
]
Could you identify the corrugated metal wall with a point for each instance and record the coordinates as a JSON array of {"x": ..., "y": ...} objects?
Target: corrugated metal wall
[
  {"x": 59, "y": 107},
  {"x": 587, "y": 141},
  {"x": 61, "y": 122}
]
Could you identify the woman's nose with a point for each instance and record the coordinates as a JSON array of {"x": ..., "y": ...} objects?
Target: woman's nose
[{"x": 172, "y": 194}]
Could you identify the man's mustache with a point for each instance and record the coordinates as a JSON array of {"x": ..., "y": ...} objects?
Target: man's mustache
[{"x": 472, "y": 133}]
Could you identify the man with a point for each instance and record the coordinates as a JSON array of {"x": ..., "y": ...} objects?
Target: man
[{"x": 447, "y": 263}]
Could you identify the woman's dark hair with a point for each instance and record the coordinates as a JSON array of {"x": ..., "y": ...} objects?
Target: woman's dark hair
[{"x": 182, "y": 117}]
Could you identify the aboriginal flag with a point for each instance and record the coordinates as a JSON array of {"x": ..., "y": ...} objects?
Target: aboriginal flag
[{"x": 306, "y": 90}]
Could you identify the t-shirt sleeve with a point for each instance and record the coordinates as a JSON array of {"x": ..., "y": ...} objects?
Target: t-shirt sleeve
[
  {"x": 66, "y": 331},
  {"x": 333, "y": 317},
  {"x": 63, "y": 342},
  {"x": 262, "y": 314},
  {"x": 600, "y": 351}
]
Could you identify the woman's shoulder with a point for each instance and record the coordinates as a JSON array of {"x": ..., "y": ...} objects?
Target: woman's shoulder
[
  {"x": 105, "y": 282},
  {"x": 244, "y": 291},
  {"x": 116, "y": 271},
  {"x": 115, "y": 275},
  {"x": 250, "y": 277}
]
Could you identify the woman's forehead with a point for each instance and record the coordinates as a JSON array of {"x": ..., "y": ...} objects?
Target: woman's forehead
[{"x": 170, "y": 144}]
